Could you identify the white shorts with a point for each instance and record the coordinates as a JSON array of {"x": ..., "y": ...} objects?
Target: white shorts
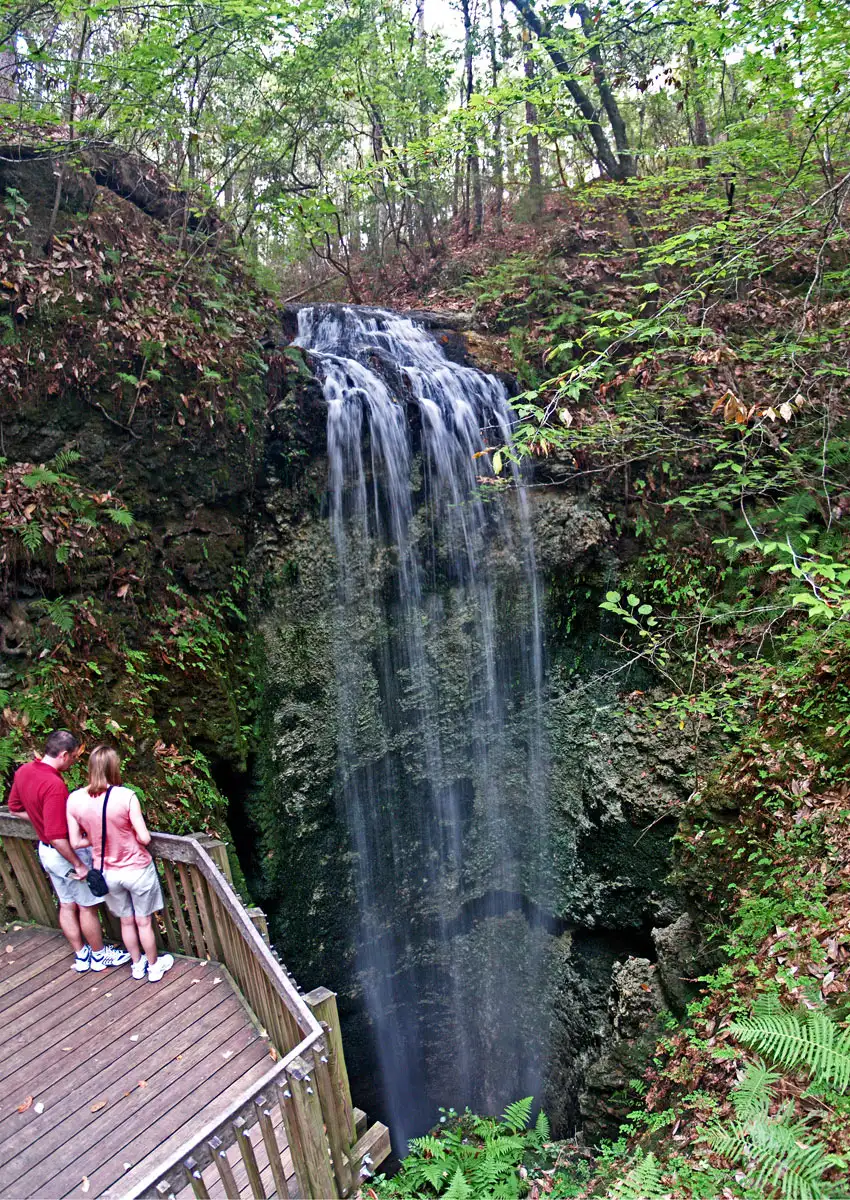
[
  {"x": 133, "y": 891},
  {"x": 67, "y": 887}
]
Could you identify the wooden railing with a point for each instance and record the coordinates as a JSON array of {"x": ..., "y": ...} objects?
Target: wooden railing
[{"x": 203, "y": 917}]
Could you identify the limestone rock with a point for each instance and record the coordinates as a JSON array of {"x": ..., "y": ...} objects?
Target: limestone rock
[
  {"x": 635, "y": 1003},
  {"x": 682, "y": 958},
  {"x": 636, "y": 997}
]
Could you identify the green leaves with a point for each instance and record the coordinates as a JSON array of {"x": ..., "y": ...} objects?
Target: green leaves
[
  {"x": 809, "y": 1042},
  {"x": 39, "y": 476},
  {"x": 472, "y": 1157},
  {"x": 518, "y": 1114},
  {"x": 120, "y": 516}
]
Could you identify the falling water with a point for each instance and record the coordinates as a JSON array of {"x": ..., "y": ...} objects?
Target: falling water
[{"x": 441, "y": 754}]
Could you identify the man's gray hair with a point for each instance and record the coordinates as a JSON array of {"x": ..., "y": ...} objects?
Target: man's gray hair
[{"x": 60, "y": 741}]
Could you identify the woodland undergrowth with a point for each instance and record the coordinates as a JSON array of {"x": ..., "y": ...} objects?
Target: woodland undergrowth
[{"x": 163, "y": 343}]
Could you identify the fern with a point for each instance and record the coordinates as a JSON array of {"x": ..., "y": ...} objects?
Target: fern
[
  {"x": 59, "y": 611},
  {"x": 31, "y": 536},
  {"x": 65, "y": 459},
  {"x": 459, "y": 1189},
  {"x": 472, "y": 1156},
  {"x": 120, "y": 516},
  {"x": 777, "y": 1156},
  {"x": 810, "y": 1042},
  {"x": 428, "y": 1145},
  {"x": 643, "y": 1182},
  {"x": 40, "y": 476},
  {"x": 752, "y": 1096},
  {"x": 518, "y": 1114}
]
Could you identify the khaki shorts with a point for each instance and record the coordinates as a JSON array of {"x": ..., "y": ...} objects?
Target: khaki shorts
[
  {"x": 133, "y": 892},
  {"x": 67, "y": 887}
]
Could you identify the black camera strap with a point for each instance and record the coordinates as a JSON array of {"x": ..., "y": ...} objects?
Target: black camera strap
[{"x": 103, "y": 828}]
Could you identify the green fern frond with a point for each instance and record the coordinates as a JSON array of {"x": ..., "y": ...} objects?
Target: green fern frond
[
  {"x": 811, "y": 1042},
  {"x": 39, "y": 476},
  {"x": 486, "y": 1173},
  {"x": 120, "y": 516},
  {"x": 433, "y": 1172},
  {"x": 752, "y": 1096},
  {"x": 518, "y": 1114},
  {"x": 428, "y": 1145},
  {"x": 459, "y": 1189},
  {"x": 31, "y": 536},
  {"x": 542, "y": 1127},
  {"x": 778, "y": 1156},
  {"x": 65, "y": 459},
  {"x": 643, "y": 1182},
  {"x": 506, "y": 1149},
  {"x": 507, "y": 1189},
  {"x": 59, "y": 611}
]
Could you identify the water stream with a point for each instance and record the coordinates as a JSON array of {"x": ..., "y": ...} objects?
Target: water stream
[{"x": 441, "y": 772}]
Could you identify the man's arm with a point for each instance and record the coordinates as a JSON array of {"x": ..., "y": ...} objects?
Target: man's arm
[
  {"x": 67, "y": 851},
  {"x": 15, "y": 802},
  {"x": 138, "y": 821},
  {"x": 56, "y": 827}
]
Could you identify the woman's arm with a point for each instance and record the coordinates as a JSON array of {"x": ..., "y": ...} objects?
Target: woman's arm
[
  {"x": 138, "y": 821},
  {"x": 77, "y": 834}
]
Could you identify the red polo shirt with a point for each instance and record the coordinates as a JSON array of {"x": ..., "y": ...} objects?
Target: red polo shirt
[{"x": 40, "y": 792}]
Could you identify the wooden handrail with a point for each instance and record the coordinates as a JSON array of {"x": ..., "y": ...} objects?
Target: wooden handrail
[{"x": 204, "y": 917}]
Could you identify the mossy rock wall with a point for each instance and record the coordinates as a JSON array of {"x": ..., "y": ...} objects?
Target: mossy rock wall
[{"x": 610, "y": 778}]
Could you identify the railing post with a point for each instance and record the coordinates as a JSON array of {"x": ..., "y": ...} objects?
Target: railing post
[
  {"x": 249, "y": 1158},
  {"x": 302, "y": 1115},
  {"x": 322, "y": 1002},
  {"x": 260, "y": 922},
  {"x": 334, "y": 1120},
  {"x": 38, "y": 895},
  {"x": 217, "y": 850},
  {"x": 273, "y": 1154}
]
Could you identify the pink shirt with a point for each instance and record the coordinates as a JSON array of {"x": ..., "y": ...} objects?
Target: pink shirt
[{"x": 123, "y": 848}]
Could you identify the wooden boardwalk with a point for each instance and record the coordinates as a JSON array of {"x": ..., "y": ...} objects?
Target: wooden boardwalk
[{"x": 124, "y": 1069}]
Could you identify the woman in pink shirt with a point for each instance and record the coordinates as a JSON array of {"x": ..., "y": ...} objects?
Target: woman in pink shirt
[{"x": 134, "y": 892}]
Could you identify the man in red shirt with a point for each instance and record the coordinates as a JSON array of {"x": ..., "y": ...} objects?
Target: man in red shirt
[{"x": 39, "y": 791}]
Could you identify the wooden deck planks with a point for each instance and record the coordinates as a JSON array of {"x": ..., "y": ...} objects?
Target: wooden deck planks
[
  {"x": 109, "y": 1033},
  {"x": 197, "y": 1048},
  {"x": 214, "y": 1092},
  {"x": 106, "y": 1052},
  {"x": 29, "y": 964}
]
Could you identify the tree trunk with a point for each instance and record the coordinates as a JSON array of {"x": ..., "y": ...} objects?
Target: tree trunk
[
  {"x": 8, "y": 72},
  {"x": 473, "y": 167},
  {"x": 498, "y": 160},
  {"x": 700, "y": 125},
  {"x": 619, "y": 168},
  {"x": 532, "y": 141}
]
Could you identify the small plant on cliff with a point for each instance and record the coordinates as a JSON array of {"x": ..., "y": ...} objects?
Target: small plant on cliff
[
  {"x": 780, "y": 1153},
  {"x": 468, "y": 1157}
]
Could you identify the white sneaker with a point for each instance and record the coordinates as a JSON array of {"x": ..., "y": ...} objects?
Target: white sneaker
[
  {"x": 138, "y": 968},
  {"x": 97, "y": 960},
  {"x": 82, "y": 959},
  {"x": 115, "y": 956},
  {"x": 156, "y": 970}
]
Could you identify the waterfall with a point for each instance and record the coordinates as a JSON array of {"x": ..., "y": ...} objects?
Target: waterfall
[{"x": 441, "y": 773}]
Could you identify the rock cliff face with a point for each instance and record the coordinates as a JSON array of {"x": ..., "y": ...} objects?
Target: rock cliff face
[{"x": 615, "y": 784}]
